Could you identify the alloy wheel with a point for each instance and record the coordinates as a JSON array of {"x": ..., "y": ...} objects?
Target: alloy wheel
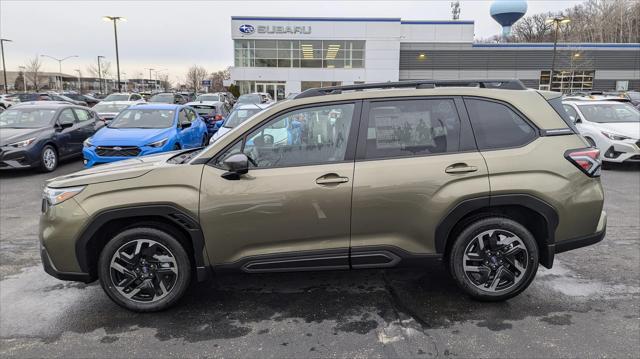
[
  {"x": 49, "y": 158},
  {"x": 495, "y": 260},
  {"x": 143, "y": 270}
]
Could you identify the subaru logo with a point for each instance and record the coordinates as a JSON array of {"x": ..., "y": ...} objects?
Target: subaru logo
[
  {"x": 247, "y": 29},
  {"x": 117, "y": 148}
]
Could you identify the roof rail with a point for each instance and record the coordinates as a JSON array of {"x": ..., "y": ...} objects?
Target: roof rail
[{"x": 512, "y": 84}]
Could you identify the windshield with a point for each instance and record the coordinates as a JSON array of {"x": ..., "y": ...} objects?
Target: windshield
[
  {"x": 208, "y": 98},
  {"x": 204, "y": 110},
  {"x": 250, "y": 98},
  {"x": 109, "y": 107},
  {"x": 239, "y": 116},
  {"x": 116, "y": 97},
  {"x": 610, "y": 113},
  {"x": 26, "y": 118},
  {"x": 143, "y": 118},
  {"x": 168, "y": 98}
]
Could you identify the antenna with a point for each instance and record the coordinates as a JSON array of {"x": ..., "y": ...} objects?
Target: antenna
[{"x": 455, "y": 10}]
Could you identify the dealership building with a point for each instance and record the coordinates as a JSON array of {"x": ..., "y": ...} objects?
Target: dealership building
[{"x": 284, "y": 55}]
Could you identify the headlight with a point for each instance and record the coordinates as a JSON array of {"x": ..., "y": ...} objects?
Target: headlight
[
  {"x": 159, "y": 143},
  {"x": 59, "y": 195},
  {"x": 24, "y": 143},
  {"x": 613, "y": 136},
  {"x": 87, "y": 143}
]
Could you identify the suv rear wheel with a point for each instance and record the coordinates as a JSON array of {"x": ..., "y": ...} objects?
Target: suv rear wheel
[
  {"x": 144, "y": 269},
  {"x": 494, "y": 259}
]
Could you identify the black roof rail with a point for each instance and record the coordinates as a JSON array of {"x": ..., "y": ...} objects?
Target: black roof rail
[{"x": 512, "y": 84}]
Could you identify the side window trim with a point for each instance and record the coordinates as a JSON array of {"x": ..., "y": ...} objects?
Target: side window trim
[
  {"x": 537, "y": 133},
  {"x": 351, "y": 141},
  {"x": 467, "y": 140}
]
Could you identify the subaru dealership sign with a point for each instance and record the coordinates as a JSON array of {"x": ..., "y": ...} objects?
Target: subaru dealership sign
[{"x": 248, "y": 29}]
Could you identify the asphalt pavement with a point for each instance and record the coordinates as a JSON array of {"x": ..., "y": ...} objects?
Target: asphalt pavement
[{"x": 586, "y": 306}]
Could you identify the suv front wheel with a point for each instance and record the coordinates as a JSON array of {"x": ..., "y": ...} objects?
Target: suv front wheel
[
  {"x": 494, "y": 259},
  {"x": 144, "y": 269}
]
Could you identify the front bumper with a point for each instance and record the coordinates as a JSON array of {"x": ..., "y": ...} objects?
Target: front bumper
[
  {"x": 622, "y": 152},
  {"x": 54, "y": 272},
  {"x": 16, "y": 158},
  {"x": 91, "y": 158}
]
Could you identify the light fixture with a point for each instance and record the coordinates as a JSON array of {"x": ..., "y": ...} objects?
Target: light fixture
[{"x": 422, "y": 56}]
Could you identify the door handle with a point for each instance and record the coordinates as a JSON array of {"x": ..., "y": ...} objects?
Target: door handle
[
  {"x": 460, "y": 168},
  {"x": 331, "y": 178}
]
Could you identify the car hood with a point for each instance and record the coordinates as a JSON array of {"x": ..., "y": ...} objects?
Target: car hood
[
  {"x": 114, "y": 171},
  {"x": 11, "y": 135},
  {"x": 129, "y": 136},
  {"x": 629, "y": 129},
  {"x": 221, "y": 132}
]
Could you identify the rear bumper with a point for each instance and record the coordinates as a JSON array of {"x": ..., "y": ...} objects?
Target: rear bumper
[
  {"x": 583, "y": 241},
  {"x": 580, "y": 242}
]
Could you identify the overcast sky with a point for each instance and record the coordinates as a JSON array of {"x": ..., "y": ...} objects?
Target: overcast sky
[{"x": 176, "y": 34}]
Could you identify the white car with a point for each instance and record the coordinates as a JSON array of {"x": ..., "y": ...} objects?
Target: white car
[
  {"x": 124, "y": 96},
  {"x": 7, "y": 101},
  {"x": 239, "y": 115},
  {"x": 108, "y": 110},
  {"x": 611, "y": 126}
]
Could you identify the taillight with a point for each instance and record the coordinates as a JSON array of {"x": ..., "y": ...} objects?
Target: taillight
[{"x": 586, "y": 159}]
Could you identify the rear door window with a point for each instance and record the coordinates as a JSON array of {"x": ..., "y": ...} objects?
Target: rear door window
[
  {"x": 496, "y": 125},
  {"x": 412, "y": 128}
]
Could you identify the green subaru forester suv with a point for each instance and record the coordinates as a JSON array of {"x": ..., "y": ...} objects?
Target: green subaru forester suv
[{"x": 487, "y": 176}]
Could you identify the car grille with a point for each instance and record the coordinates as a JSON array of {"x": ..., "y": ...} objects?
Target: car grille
[{"x": 117, "y": 151}]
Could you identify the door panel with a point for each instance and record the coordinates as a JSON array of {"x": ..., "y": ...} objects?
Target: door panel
[
  {"x": 275, "y": 210},
  {"x": 416, "y": 160},
  {"x": 70, "y": 138}
]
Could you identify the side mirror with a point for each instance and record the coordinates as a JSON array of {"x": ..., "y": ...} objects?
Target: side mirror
[
  {"x": 62, "y": 126},
  {"x": 237, "y": 164},
  {"x": 184, "y": 125}
]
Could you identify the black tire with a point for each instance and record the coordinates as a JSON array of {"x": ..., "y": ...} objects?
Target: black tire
[
  {"x": 475, "y": 284},
  {"x": 147, "y": 280},
  {"x": 48, "y": 159},
  {"x": 205, "y": 140}
]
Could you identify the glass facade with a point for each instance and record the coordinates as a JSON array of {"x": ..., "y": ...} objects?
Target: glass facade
[
  {"x": 346, "y": 54},
  {"x": 567, "y": 81}
]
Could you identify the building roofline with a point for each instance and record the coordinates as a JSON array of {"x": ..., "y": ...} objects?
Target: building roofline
[
  {"x": 336, "y": 19},
  {"x": 562, "y": 45},
  {"x": 437, "y": 22}
]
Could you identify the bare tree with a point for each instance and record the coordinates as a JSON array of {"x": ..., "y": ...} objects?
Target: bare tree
[
  {"x": 105, "y": 69},
  {"x": 33, "y": 73},
  {"x": 195, "y": 75},
  {"x": 217, "y": 79},
  {"x": 616, "y": 21}
]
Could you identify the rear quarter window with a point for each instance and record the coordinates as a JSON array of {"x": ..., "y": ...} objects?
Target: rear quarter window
[
  {"x": 496, "y": 125},
  {"x": 556, "y": 103}
]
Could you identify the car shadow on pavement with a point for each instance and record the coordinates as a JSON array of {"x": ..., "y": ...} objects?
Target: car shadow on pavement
[{"x": 352, "y": 301}]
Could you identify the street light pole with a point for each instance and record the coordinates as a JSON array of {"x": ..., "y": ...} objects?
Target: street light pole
[
  {"x": 59, "y": 65},
  {"x": 556, "y": 22},
  {"x": 4, "y": 67},
  {"x": 79, "y": 80},
  {"x": 150, "y": 79},
  {"x": 100, "y": 73},
  {"x": 115, "y": 33}
]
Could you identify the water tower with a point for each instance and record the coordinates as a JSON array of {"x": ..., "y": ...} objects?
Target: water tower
[{"x": 507, "y": 12}]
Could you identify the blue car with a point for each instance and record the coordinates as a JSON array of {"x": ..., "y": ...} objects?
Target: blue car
[{"x": 144, "y": 130}]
